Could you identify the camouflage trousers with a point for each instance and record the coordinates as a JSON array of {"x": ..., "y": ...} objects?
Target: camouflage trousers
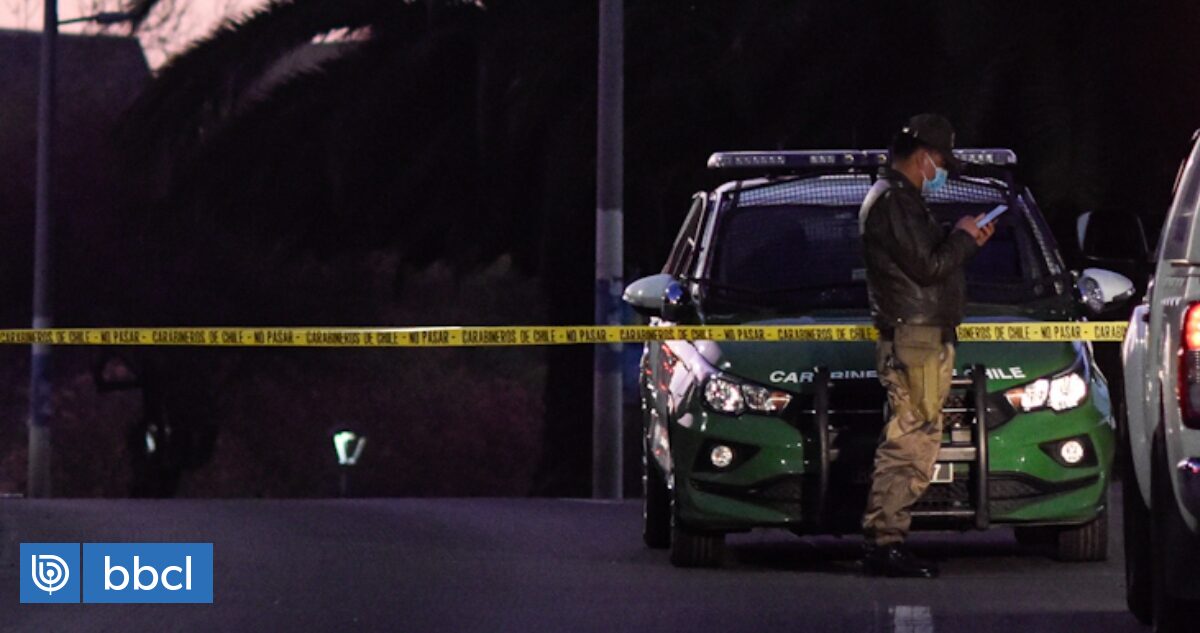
[{"x": 915, "y": 368}]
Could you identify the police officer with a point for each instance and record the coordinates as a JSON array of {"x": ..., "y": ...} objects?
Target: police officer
[{"x": 916, "y": 288}]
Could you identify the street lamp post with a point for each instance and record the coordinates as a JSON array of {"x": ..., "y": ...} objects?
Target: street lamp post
[
  {"x": 39, "y": 365},
  {"x": 610, "y": 153},
  {"x": 38, "y": 484}
]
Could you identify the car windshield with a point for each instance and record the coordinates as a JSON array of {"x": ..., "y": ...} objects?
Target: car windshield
[{"x": 796, "y": 246}]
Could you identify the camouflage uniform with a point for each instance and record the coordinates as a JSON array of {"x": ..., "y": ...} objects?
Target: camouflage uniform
[
  {"x": 915, "y": 368},
  {"x": 916, "y": 286}
]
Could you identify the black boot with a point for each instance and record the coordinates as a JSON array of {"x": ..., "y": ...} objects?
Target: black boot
[{"x": 895, "y": 561}]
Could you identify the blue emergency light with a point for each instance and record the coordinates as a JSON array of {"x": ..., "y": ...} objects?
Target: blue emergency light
[{"x": 831, "y": 158}]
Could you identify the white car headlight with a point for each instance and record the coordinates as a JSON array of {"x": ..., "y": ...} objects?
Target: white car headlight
[
  {"x": 1066, "y": 392},
  {"x": 724, "y": 395},
  {"x": 1059, "y": 393},
  {"x": 765, "y": 400},
  {"x": 1031, "y": 396},
  {"x": 727, "y": 395}
]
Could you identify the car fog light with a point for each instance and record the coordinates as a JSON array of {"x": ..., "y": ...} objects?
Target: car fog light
[
  {"x": 1071, "y": 451},
  {"x": 721, "y": 456}
]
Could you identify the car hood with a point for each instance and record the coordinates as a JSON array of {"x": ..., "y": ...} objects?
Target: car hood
[{"x": 790, "y": 364}]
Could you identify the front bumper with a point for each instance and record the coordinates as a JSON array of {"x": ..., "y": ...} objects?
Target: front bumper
[{"x": 775, "y": 479}]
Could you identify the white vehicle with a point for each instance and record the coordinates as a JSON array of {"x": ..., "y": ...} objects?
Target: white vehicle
[{"x": 1160, "y": 434}]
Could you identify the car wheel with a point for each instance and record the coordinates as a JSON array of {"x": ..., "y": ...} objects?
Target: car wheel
[
  {"x": 1083, "y": 543},
  {"x": 694, "y": 548},
  {"x": 1138, "y": 568},
  {"x": 1170, "y": 537},
  {"x": 656, "y": 506}
]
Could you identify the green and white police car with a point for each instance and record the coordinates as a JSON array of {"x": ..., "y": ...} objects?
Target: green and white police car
[{"x": 742, "y": 435}]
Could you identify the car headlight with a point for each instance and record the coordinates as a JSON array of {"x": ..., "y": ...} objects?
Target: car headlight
[
  {"x": 727, "y": 395},
  {"x": 724, "y": 395},
  {"x": 1059, "y": 393}
]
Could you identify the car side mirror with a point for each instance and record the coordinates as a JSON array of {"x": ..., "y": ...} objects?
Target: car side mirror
[
  {"x": 1114, "y": 238},
  {"x": 658, "y": 295},
  {"x": 676, "y": 303},
  {"x": 646, "y": 295},
  {"x": 1101, "y": 289}
]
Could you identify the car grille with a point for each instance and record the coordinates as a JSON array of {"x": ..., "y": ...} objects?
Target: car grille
[
  {"x": 956, "y": 400},
  {"x": 859, "y": 404},
  {"x": 1008, "y": 492},
  {"x": 783, "y": 494},
  {"x": 948, "y": 496},
  {"x": 1012, "y": 491}
]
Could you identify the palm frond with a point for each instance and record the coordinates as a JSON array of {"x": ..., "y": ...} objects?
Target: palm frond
[
  {"x": 200, "y": 87},
  {"x": 139, "y": 10}
]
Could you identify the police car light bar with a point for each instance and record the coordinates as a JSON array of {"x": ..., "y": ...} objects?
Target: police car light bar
[{"x": 821, "y": 159}]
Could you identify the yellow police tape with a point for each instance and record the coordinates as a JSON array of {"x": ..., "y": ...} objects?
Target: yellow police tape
[{"x": 479, "y": 336}]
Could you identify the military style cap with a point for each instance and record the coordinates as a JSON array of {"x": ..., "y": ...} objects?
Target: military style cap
[{"x": 934, "y": 131}]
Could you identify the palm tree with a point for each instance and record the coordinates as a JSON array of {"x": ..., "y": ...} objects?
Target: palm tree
[
  {"x": 446, "y": 128},
  {"x": 430, "y": 136}
]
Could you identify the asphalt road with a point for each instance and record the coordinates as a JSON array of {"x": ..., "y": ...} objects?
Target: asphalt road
[{"x": 542, "y": 565}]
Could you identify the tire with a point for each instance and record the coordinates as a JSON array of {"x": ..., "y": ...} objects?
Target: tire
[
  {"x": 656, "y": 506},
  {"x": 1138, "y": 568},
  {"x": 1170, "y": 538},
  {"x": 1074, "y": 544},
  {"x": 694, "y": 548},
  {"x": 1083, "y": 543}
]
